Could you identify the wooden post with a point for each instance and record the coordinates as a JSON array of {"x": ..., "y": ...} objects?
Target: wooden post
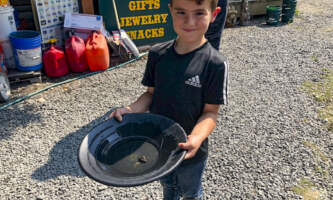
[{"x": 88, "y": 6}]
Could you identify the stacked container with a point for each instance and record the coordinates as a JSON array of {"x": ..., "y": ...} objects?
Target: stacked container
[
  {"x": 288, "y": 10},
  {"x": 273, "y": 15},
  {"x": 23, "y": 14},
  {"x": 8, "y": 25}
]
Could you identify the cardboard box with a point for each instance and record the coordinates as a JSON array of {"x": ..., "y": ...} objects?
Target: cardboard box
[{"x": 83, "y": 24}]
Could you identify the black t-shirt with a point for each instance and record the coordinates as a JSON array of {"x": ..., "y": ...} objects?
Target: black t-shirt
[{"x": 184, "y": 83}]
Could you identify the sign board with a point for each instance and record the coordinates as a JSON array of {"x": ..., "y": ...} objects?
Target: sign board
[
  {"x": 51, "y": 17},
  {"x": 145, "y": 21}
]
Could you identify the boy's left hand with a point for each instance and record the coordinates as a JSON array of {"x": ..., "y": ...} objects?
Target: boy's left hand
[{"x": 192, "y": 145}]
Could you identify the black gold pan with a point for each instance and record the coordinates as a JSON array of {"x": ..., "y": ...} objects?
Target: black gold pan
[{"x": 140, "y": 149}]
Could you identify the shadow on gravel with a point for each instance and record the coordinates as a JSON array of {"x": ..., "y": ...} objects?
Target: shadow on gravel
[
  {"x": 14, "y": 117},
  {"x": 63, "y": 158},
  {"x": 260, "y": 21},
  {"x": 264, "y": 25}
]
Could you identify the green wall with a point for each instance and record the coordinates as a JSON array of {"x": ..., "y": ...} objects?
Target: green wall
[{"x": 145, "y": 21}]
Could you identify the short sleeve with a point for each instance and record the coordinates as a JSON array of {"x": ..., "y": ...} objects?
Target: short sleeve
[
  {"x": 148, "y": 77},
  {"x": 216, "y": 87}
]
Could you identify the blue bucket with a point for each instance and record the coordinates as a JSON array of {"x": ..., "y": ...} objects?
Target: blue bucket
[{"x": 27, "y": 50}]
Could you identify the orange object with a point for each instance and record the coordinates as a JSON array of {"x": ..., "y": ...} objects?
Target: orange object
[
  {"x": 76, "y": 54},
  {"x": 4, "y": 3},
  {"x": 97, "y": 52}
]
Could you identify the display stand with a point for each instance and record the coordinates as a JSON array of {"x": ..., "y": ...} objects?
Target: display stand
[{"x": 49, "y": 15}]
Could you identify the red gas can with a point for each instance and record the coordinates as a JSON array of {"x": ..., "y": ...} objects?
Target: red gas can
[
  {"x": 75, "y": 52},
  {"x": 55, "y": 64},
  {"x": 97, "y": 52}
]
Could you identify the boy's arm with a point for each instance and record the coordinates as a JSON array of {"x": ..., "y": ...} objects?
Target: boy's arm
[
  {"x": 139, "y": 106},
  {"x": 201, "y": 130}
]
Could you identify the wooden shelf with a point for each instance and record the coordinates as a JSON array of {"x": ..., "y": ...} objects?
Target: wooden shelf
[{"x": 16, "y": 76}]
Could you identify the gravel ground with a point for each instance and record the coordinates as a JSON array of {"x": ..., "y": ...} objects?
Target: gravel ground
[{"x": 267, "y": 140}]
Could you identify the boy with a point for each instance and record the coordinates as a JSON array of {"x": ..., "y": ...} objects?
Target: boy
[{"x": 187, "y": 81}]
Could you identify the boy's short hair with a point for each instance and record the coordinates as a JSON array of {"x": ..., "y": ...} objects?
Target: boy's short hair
[{"x": 213, "y": 3}]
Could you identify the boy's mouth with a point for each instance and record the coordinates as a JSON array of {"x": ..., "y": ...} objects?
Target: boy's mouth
[{"x": 188, "y": 30}]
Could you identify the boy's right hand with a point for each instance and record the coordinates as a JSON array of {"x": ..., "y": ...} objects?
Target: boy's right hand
[{"x": 119, "y": 112}]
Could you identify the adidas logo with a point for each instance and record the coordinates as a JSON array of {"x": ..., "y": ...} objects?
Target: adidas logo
[{"x": 194, "y": 81}]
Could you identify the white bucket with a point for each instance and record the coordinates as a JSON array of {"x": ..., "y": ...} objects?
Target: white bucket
[
  {"x": 9, "y": 55},
  {"x": 7, "y": 25},
  {"x": 7, "y": 22}
]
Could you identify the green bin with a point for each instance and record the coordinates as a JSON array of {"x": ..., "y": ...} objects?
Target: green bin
[
  {"x": 273, "y": 15},
  {"x": 288, "y": 10}
]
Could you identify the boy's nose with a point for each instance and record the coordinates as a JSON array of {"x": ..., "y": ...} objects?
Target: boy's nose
[{"x": 189, "y": 20}]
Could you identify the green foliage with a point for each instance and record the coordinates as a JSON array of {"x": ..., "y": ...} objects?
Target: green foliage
[
  {"x": 297, "y": 12},
  {"x": 315, "y": 58},
  {"x": 307, "y": 190},
  {"x": 323, "y": 92},
  {"x": 316, "y": 151},
  {"x": 322, "y": 162},
  {"x": 320, "y": 170}
]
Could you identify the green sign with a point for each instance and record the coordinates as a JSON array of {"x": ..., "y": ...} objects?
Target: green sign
[{"x": 145, "y": 21}]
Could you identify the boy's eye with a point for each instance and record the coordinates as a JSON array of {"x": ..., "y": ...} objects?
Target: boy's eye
[
  {"x": 199, "y": 13},
  {"x": 180, "y": 12}
]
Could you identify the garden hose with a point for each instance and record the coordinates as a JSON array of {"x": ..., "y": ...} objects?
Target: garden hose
[{"x": 67, "y": 81}]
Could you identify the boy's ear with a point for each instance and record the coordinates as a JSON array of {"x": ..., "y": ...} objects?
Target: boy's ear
[{"x": 215, "y": 13}]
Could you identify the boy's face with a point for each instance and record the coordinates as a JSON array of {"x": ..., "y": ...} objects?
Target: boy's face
[{"x": 191, "y": 20}]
